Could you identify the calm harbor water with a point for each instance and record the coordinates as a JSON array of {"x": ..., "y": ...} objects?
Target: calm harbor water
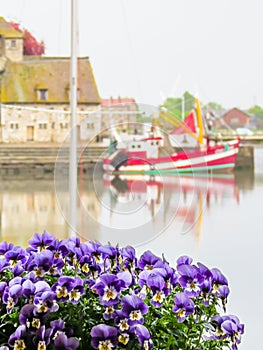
[{"x": 214, "y": 219}]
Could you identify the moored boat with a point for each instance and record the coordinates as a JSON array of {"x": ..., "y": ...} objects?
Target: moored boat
[{"x": 150, "y": 155}]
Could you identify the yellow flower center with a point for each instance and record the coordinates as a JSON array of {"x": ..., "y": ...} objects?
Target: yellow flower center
[
  {"x": 12, "y": 263},
  {"x": 62, "y": 292},
  {"x": 105, "y": 345},
  {"x": 135, "y": 315},
  {"x": 109, "y": 310},
  {"x": 42, "y": 307},
  {"x": 19, "y": 345},
  {"x": 110, "y": 294},
  {"x": 36, "y": 323},
  {"x": 124, "y": 325},
  {"x": 41, "y": 345},
  {"x": 124, "y": 338},
  {"x": 158, "y": 297},
  {"x": 74, "y": 295},
  {"x": 85, "y": 268},
  {"x": 10, "y": 303},
  {"x": 181, "y": 313}
]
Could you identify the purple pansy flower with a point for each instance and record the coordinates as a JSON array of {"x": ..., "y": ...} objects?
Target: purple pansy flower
[
  {"x": 228, "y": 326},
  {"x": 218, "y": 280},
  {"x": 3, "y": 264},
  {"x": 40, "y": 242},
  {"x": 110, "y": 253},
  {"x": 184, "y": 260},
  {"x": 5, "y": 247},
  {"x": 11, "y": 295},
  {"x": 143, "y": 336},
  {"x": 128, "y": 257},
  {"x": 133, "y": 308},
  {"x": 183, "y": 307},
  {"x": 45, "y": 302},
  {"x": 28, "y": 289},
  {"x": 148, "y": 260},
  {"x": 16, "y": 255},
  {"x": 62, "y": 342},
  {"x": 42, "y": 338},
  {"x": 77, "y": 290},
  {"x": 63, "y": 287},
  {"x": 190, "y": 279},
  {"x": 2, "y": 288},
  {"x": 108, "y": 288},
  {"x": 44, "y": 262},
  {"x": 58, "y": 327},
  {"x": 104, "y": 337},
  {"x": 29, "y": 319},
  {"x": 19, "y": 338},
  {"x": 158, "y": 287},
  {"x": 58, "y": 248}
]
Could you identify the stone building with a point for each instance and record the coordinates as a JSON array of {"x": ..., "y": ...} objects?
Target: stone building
[
  {"x": 35, "y": 93},
  {"x": 120, "y": 112}
]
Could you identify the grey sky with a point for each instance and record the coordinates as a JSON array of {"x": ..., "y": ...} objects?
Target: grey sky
[{"x": 152, "y": 49}]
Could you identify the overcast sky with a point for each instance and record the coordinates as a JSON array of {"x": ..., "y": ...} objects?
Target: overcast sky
[{"x": 152, "y": 49}]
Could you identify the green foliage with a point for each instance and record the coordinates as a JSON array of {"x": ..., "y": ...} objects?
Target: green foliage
[
  {"x": 256, "y": 110},
  {"x": 174, "y": 104},
  {"x": 213, "y": 105}
]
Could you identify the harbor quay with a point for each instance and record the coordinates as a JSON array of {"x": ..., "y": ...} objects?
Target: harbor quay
[{"x": 44, "y": 157}]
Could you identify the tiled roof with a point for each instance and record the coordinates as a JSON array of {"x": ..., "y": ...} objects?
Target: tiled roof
[
  {"x": 235, "y": 110},
  {"x": 22, "y": 79},
  {"x": 108, "y": 102},
  {"x": 8, "y": 31}
]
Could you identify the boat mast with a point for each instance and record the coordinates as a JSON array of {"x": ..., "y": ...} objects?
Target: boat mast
[
  {"x": 73, "y": 170},
  {"x": 199, "y": 122}
]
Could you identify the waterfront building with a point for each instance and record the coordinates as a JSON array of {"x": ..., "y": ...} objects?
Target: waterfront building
[
  {"x": 120, "y": 111},
  {"x": 35, "y": 93},
  {"x": 234, "y": 118}
]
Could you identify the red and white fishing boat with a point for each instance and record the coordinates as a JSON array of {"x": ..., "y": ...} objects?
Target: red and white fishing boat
[{"x": 150, "y": 155}]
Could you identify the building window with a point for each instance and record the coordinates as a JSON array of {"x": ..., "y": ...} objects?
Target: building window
[
  {"x": 63, "y": 125},
  {"x": 14, "y": 126},
  {"x": 90, "y": 125},
  {"x": 42, "y": 126},
  {"x": 13, "y": 44},
  {"x": 234, "y": 121},
  {"x": 42, "y": 94}
]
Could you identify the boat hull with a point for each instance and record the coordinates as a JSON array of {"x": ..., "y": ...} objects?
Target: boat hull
[{"x": 215, "y": 158}]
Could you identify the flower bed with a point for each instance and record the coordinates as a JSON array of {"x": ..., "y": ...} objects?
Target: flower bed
[{"x": 71, "y": 295}]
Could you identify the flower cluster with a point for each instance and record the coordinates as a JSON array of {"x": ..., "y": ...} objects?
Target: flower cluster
[{"x": 72, "y": 295}]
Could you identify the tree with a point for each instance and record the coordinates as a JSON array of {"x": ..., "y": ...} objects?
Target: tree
[
  {"x": 256, "y": 110},
  {"x": 174, "y": 104},
  {"x": 213, "y": 105},
  {"x": 31, "y": 47}
]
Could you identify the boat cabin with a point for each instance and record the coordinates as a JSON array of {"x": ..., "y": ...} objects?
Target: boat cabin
[{"x": 144, "y": 148}]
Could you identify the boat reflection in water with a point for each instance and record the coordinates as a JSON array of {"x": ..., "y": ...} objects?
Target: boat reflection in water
[
  {"x": 125, "y": 209},
  {"x": 178, "y": 200}
]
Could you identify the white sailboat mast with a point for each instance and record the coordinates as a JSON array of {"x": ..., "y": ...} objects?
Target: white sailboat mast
[{"x": 73, "y": 166}]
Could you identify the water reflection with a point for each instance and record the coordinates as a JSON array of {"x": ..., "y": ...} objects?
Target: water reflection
[
  {"x": 134, "y": 201},
  {"x": 125, "y": 210}
]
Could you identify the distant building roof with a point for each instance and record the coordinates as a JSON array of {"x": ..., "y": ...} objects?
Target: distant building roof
[
  {"x": 235, "y": 110},
  {"x": 7, "y": 31},
  {"x": 108, "y": 102},
  {"x": 22, "y": 79}
]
